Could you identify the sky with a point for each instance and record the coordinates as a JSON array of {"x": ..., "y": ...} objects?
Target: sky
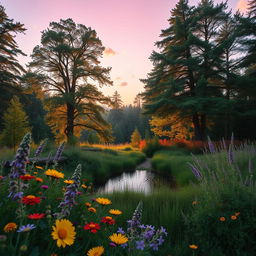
[{"x": 127, "y": 28}]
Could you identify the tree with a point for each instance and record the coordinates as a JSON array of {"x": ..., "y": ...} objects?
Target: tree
[
  {"x": 138, "y": 101},
  {"x": 135, "y": 138},
  {"x": 116, "y": 100},
  {"x": 10, "y": 69},
  {"x": 68, "y": 58},
  {"x": 172, "y": 127},
  {"x": 16, "y": 124},
  {"x": 186, "y": 70}
]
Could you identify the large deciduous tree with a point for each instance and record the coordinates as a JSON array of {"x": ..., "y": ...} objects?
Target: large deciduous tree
[
  {"x": 69, "y": 59},
  {"x": 10, "y": 69}
]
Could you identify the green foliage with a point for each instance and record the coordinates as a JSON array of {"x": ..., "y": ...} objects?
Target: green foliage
[
  {"x": 16, "y": 124},
  {"x": 135, "y": 139},
  {"x": 152, "y": 146}
]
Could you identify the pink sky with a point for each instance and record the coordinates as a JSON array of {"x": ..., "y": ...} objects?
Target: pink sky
[{"x": 129, "y": 28}]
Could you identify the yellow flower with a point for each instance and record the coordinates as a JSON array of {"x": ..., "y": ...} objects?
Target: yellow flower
[
  {"x": 96, "y": 251},
  {"x": 103, "y": 201},
  {"x": 35, "y": 173},
  {"x": 118, "y": 238},
  {"x": 193, "y": 246},
  {"x": 233, "y": 217},
  {"x": 88, "y": 204},
  {"x": 84, "y": 186},
  {"x": 39, "y": 167},
  {"x": 54, "y": 174},
  {"x": 222, "y": 218},
  {"x": 115, "y": 212},
  {"x": 68, "y": 181},
  {"x": 92, "y": 209},
  {"x": 63, "y": 232},
  {"x": 11, "y": 226}
]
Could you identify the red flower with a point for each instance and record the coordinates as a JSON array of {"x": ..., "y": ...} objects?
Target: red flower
[
  {"x": 31, "y": 200},
  {"x": 36, "y": 216},
  {"x": 109, "y": 220},
  {"x": 27, "y": 177},
  {"x": 93, "y": 227}
]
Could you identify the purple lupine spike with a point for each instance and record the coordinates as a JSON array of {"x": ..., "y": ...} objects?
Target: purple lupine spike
[
  {"x": 18, "y": 168},
  {"x": 195, "y": 171},
  {"x": 211, "y": 146},
  {"x": 69, "y": 197},
  {"x": 59, "y": 152},
  {"x": 230, "y": 154},
  {"x": 40, "y": 148}
]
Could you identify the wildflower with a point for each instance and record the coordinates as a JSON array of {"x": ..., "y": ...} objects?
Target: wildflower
[
  {"x": 36, "y": 216},
  {"x": 9, "y": 227},
  {"x": 121, "y": 231},
  {"x": 44, "y": 187},
  {"x": 118, "y": 238},
  {"x": 70, "y": 194},
  {"x": 237, "y": 213},
  {"x": 63, "y": 232},
  {"x": 193, "y": 246},
  {"x": 40, "y": 149},
  {"x": 194, "y": 202},
  {"x": 39, "y": 179},
  {"x": 93, "y": 227},
  {"x": 84, "y": 186},
  {"x": 1, "y": 177},
  {"x": 222, "y": 218},
  {"x": 233, "y": 217},
  {"x": 35, "y": 173},
  {"x": 39, "y": 167},
  {"x": 154, "y": 245},
  {"x": 88, "y": 204},
  {"x": 68, "y": 181},
  {"x": 115, "y": 212},
  {"x": 54, "y": 174},
  {"x": 103, "y": 201},
  {"x": 109, "y": 220},
  {"x": 140, "y": 245},
  {"x": 92, "y": 209},
  {"x": 31, "y": 200},
  {"x": 26, "y": 228},
  {"x": 96, "y": 251},
  {"x": 58, "y": 153},
  {"x": 27, "y": 177}
]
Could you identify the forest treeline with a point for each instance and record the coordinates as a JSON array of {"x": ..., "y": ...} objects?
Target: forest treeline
[{"x": 203, "y": 81}]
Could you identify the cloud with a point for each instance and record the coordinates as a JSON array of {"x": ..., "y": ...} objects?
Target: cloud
[
  {"x": 109, "y": 52},
  {"x": 242, "y": 6},
  {"x": 123, "y": 84}
]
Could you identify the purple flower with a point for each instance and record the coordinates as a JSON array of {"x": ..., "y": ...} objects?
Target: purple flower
[
  {"x": 112, "y": 244},
  {"x": 160, "y": 240},
  {"x": 44, "y": 186},
  {"x": 121, "y": 231},
  {"x": 163, "y": 231},
  {"x": 195, "y": 171},
  {"x": 154, "y": 246},
  {"x": 26, "y": 228},
  {"x": 140, "y": 245},
  {"x": 124, "y": 245},
  {"x": 148, "y": 234}
]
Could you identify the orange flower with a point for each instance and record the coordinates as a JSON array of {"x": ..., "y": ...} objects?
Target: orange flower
[
  {"x": 88, "y": 204},
  {"x": 83, "y": 186},
  {"x": 237, "y": 213},
  {"x": 36, "y": 216},
  {"x": 11, "y": 226},
  {"x": 193, "y": 246},
  {"x": 233, "y": 217},
  {"x": 92, "y": 209},
  {"x": 39, "y": 179},
  {"x": 222, "y": 218},
  {"x": 194, "y": 202}
]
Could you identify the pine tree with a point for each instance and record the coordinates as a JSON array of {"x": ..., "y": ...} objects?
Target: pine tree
[
  {"x": 135, "y": 139},
  {"x": 16, "y": 124},
  {"x": 116, "y": 100},
  {"x": 10, "y": 69}
]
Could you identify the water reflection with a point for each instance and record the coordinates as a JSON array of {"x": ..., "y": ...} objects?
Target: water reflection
[{"x": 138, "y": 181}]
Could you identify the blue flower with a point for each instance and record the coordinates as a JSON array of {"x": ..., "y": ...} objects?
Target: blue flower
[
  {"x": 121, "y": 231},
  {"x": 160, "y": 240},
  {"x": 26, "y": 228},
  {"x": 140, "y": 245},
  {"x": 154, "y": 246}
]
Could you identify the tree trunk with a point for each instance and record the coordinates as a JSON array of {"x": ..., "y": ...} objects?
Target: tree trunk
[
  {"x": 199, "y": 122},
  {"x": 69, "y": 130}
]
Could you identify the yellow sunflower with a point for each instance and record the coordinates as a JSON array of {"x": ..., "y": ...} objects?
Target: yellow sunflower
[
  {"x": 9, "y": 227},
  {"x": 103, "y": 201},
  {"x": 54, "y": 174},
  {"x": 63, "y": 232},
  {"x": 96, "y": 251},
  {"x": 115, "y": 212},
  {"x": 92, "y": 209},
  {"x": 118, "y": 238},
  {"x": 68, "y": 181}
]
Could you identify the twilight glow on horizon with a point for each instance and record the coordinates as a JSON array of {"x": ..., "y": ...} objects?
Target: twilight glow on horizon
[{"x": 127, "y": 28}]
